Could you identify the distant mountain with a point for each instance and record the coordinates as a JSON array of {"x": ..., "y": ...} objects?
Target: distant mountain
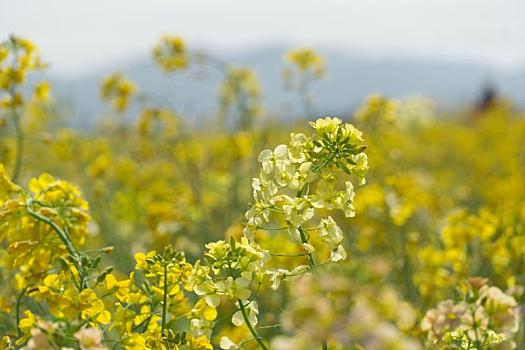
[{"x": 350, "y": 79}]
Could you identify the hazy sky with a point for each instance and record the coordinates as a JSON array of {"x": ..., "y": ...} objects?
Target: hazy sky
[{"x": 78, "y": 36}]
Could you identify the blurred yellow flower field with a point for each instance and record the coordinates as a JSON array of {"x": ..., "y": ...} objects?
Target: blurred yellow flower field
[{"x": 397, "y": 226}]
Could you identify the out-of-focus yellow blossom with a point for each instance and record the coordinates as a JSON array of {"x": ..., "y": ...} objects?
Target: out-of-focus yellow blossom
[
  {"x": 117, "y": 91},
  {"x": 90, "y": 339},
  {"x": 171, "y": 53},
  {"x": 330, "y": 306},
  {"x": 42, "y": 92},
  {"x": 464, "y": 235},
  {"x": 307, "y": 60},
  {"x": 152, "y": 120},
  {"x": 378, "y": 111}
]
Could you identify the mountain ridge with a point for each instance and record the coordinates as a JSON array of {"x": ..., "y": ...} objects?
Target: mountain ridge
[{"x": 349, "y": 80}]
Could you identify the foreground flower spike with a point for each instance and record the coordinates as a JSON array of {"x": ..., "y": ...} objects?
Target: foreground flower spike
[
  {"x": 295, "y": 181},
  {"x": 301, "y": 179}
]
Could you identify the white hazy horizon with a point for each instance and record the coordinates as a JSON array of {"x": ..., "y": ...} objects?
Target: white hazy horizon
[{"x": 78, "y": 37}]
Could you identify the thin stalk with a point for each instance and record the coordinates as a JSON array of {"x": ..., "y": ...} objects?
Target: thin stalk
[
  {"x": 254, "y": 333},
  {"x": 165, "y": 301},
  {"x": 288, "y": 255},
  {"x": 16, "y": 121},
  {"x": 476, "y": 337},
  {"x": 19, "y": 144},
  {"x": 305, "y": 98}
]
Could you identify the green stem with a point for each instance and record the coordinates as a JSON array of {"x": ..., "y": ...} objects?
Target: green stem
[
  {"x": 18, "y": 305},
  {"x": 64, "y": 237},
  {"x": 254, "y": 333},
  {"x": 476, "y": 337},
  {"x": 311, "y": 260},
  {"x": 302, "y": 233},
  {"x": 165, "y": 301},
  {"x": 61, "y": 234},
  {"x": 304, "y": 240}
]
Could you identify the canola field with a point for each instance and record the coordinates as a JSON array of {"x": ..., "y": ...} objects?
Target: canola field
[{"x": 394, "y": 227}]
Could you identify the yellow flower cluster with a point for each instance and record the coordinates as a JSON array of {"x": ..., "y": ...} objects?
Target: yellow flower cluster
[
  {"x": 51, "y": 271},
  {"x": 29, "y": 220},
  {"x": 152, "y": 300},
  {"x": 18, "y": 57}
]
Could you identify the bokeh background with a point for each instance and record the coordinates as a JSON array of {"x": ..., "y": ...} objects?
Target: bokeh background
[{"x": 158, "y": 112}]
